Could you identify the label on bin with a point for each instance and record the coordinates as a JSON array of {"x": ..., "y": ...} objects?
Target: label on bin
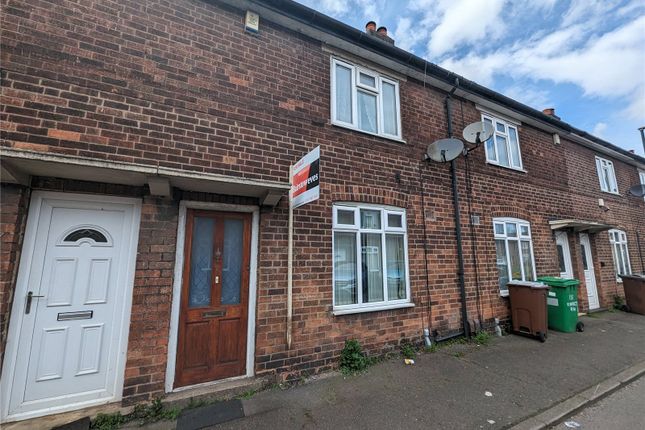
[
  {"x": 551, "y": 302},
  {"x": 552, "y": 294}
]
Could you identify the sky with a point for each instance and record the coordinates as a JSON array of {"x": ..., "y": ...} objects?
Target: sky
[{"x": 585, "y": 58}]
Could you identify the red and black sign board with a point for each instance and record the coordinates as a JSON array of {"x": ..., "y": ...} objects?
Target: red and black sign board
[{"x": 305, "y": 179}]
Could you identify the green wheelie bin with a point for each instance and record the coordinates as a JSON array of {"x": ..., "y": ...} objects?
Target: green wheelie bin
[{"x": 562, "y": 304}]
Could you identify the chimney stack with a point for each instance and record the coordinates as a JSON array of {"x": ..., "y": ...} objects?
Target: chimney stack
[
  {"x": 381, "y": 33},
  {"x": 550, "y": 112}
]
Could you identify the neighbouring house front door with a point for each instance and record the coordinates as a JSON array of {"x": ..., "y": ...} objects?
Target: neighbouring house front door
[
  {"x": 214, "y": 299},
  {"x": 70, "y": 312},
  {"x": 590, "y": 277}
]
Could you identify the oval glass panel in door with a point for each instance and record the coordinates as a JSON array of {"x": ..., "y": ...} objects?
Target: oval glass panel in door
[
  {"x": 232, "y": 261},
  {"x": 201, "y": 262}
]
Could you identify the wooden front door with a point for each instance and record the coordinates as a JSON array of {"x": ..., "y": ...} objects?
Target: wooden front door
[{"x": 214, "y": 298}]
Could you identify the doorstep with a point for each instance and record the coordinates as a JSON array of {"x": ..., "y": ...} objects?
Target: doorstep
[
  {"x": 221, "y": 390},
  {"x": 49, "y": 421}
]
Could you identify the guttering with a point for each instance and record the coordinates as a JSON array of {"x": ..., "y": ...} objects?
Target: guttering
[{"x": 328, "y": 30}]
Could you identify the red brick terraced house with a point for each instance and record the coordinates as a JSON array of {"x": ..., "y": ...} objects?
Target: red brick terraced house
[{"x": 146, "y": 149}]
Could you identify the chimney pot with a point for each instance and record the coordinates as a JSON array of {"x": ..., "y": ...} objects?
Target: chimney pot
[
  {"x": 633, "y": 151},
  {"x": 382, "y": 31},
  {"x": 370, "y": 27},
  {"x": 550, "y": 112}
]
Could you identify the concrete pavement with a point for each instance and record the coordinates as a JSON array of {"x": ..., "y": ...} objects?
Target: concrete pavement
[{"x": 447, "y": 389}]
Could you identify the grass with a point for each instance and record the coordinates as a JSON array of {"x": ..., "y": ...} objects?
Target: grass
[
  {"x": 408, "y": 350},
  {"x": 143, "y": 414},
  {"x": 247, "y": 394},
  {"x": 482, "y": 338}
]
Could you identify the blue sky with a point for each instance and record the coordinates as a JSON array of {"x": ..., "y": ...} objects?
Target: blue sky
[{"x": 585, "y": 58}]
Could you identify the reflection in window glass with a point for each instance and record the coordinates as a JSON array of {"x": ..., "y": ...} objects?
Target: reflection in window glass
[
  {"x": 345, "y": 276},
  {"x": 584, "y": 257},
  {"x": 201, "y": 262},
  {"x": 561, "y": 259},
  {"x": 527, "y": 261},
  {"x": 389, "y": 109},
  {"x": 372, "y": 271},
  {"x": 345, "y": 217},
  {"x": 343, "y": 94},
  {"x": 367, "y": 112},
  {"x": 370, "y": 219},
  {"x": 232, "y": 261},
  {"x": 395, "y": 220},
  {"x": 502, "y": 264},
  {"x": 395, "y": 253}
]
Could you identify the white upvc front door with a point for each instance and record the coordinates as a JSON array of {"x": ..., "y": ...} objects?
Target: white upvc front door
[
  {"x": 590, "y": 277},
  {"x": 68, "y": 335}
]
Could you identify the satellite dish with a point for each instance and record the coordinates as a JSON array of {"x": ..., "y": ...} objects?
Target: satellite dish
[
  {"x": 637, "y": 190},
  {"x": 444, "y": 150},
  {"x": 478, "y": 132}
]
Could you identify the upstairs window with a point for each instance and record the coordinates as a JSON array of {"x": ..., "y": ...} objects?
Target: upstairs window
[
  {"x": 618, "y": 241},
  {"x": 514, "y": 250},
  {"x": 606, "y": 175},
  {"x": 641, "y": 175},
  {"x": 364, "y": 100},
  {"x": 503, "y": 148}
]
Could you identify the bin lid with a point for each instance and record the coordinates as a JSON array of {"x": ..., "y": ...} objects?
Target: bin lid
[
  {"x": 528, "y": 284},
  {"x": 554, "y": 281}
]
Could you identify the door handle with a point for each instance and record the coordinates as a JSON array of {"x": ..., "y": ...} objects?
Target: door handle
[{"x": 30, "y": 296}]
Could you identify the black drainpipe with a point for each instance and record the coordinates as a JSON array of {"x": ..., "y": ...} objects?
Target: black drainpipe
[{"x": 455, "y": 203}]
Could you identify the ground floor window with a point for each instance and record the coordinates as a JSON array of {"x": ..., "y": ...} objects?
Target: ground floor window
[
  {"x": 370, "y": 257},
  {"x": 618, "y": 240},
  {"x": 514, "y": 251}
]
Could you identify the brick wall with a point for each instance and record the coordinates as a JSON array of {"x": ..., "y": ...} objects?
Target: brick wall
[
  {"x": 182, "y": 85},
  {"x": 13, "y": 217}
]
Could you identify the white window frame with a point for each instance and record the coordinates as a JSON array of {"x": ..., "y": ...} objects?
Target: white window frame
[
  {"x": 357, "y": 87},
  {"x": 493, "y": 158},
  {"x": 641, "y": 176},
  {"x": 385, "y": 229},
  {"x": 520, "y": 223},
  {"x": 620, "y": 245},
  {"x": 602, "y": 165}
]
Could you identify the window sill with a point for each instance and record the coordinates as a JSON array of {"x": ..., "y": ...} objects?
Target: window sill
[
  {"x": 611, "y": 192},
  {"x": 361, "y": 310},
  {"x": 506, "y": 167},
  {"x": 382, "y": 136}
]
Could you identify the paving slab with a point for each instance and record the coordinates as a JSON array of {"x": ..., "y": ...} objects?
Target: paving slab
[{"x": 447, "y": 389}]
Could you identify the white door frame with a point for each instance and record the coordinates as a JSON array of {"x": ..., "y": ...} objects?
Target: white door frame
[
  {"x": 177, "y": 286},
  {"x": 592, "y": 273},
  {"x": 22, "y": 285}
]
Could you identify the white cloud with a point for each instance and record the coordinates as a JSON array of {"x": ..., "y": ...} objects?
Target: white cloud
[
  {"x": 466, "y": 21},
  {"x": 333, "y": 7},
  {"x": 408, "y": 33},
  {"x": 599, "y": 129},
  {"x": 611, "y": 65},
  {"x": 585, "y": 10},
  {"x": 536, "y": 98}
]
